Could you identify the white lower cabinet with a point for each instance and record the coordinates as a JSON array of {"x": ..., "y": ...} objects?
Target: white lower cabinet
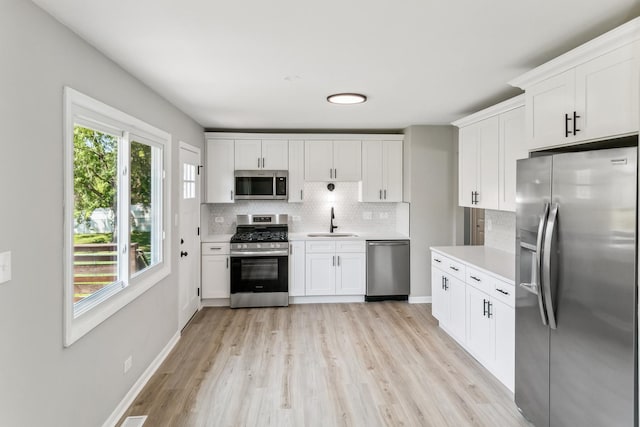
[
  {"x": 296, "y": 269},
  {"x": 448, "y": 305},
  {"x": 335, "y": 268},
  {"x": 478, "y": 312},
  {"x": 215, "y": 270}
]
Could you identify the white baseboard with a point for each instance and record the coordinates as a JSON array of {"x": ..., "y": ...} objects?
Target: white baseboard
[
  {"x": 215, "y": 302},
  {"x": 326, "y": 299},
  {"x": 141, "y": 382},
  {"x": 420, "y": 300}
]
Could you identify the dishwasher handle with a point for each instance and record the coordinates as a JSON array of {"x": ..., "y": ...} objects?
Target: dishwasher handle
[{"x": 400, "y": 243}]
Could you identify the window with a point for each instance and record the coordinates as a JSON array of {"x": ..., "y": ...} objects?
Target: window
[{"x": 116, "y": 246}]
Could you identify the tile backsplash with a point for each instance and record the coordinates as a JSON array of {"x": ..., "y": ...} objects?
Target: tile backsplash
[
  {"x": 501, "y": 233},
  {"x": 311, "y": 215}
]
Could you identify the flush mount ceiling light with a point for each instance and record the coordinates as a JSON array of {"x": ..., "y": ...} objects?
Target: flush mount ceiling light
[{"x": 346, "y": 98}]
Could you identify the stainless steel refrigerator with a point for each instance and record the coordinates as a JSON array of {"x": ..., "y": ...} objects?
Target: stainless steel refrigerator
[{"x": 576, "y": 299}]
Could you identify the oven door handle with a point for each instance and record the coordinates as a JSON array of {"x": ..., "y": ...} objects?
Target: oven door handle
[{"x": 284, "y": 252}]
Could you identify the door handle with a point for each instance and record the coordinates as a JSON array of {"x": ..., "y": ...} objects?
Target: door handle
[
  {"x": 550, "y": 288},
  {"x": 385, "y": 194},
  {"x": 183, "y": 254},
  {"x": 475, "y": 278},
  {"x": 489, "y": 313},
  {"x": 334, "y": 261},
  {"x": 331, "y": 173},
  {"x": 484, "y": 307},
  {"x": 227, "y": 263},
  {"x": 454, "y": 268},
  {"x": 503, "y": 292},
  {"x": 567, "y": 132},
  {"x": 338, "y": 260},
  {"x": 231, "y": 194},
  {"x": 536, "y": 276},
  {"x": 335, "y": 173},
  {"x": 263, "y": 163},
  {"x": 258, "y": 162},
  {"x": 446, "y": 284},
  {"x": 380, "y": 194},
  {"x": 575, "y": 123}
]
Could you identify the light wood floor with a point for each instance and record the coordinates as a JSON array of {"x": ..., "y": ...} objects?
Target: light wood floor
[{"x": 374, "y": 364}]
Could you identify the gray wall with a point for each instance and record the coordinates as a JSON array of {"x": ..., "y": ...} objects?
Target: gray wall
[
  {"x": 42, "y": 383},
  {"x": 431, "y": 188}
]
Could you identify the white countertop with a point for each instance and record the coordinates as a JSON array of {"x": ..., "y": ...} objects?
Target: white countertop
[
  {"x": 493, "y": 261},
  {"x": 359, "y": 236},
  {"x": 224, "y": 238},
  {"x": 216, "y": 238}
]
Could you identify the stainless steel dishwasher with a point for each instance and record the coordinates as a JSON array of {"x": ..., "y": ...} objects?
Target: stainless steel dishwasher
[{"x": 387, "y": 270}]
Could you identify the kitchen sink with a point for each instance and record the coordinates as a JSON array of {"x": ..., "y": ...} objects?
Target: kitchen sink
[{"x": 332, "y": 235}]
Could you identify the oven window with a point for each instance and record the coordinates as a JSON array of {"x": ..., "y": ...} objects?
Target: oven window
[
  {"x": 254, "y": 186},
  {"x": 259, "y": 269}
]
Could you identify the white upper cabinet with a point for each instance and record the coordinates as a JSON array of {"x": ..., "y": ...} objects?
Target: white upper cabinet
[
  {"x": 347, "y": 160},
  {"x": 332, "y": 160},
  {"x": 512, "y": 148},
  {"x": 587, "y": 94},
  {"x": 261, "y": 154},
  {"x": 296, "y": 171},
  {"x": 219, "y": 169},
  {"x": 489, "y": 144},
  {"x": 478, "y": 162},
  {"x": 381, "y": 171}
]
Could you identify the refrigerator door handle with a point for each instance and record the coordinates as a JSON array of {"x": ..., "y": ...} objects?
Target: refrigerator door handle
[
  {"x": 536, "y": 273},
  {"x": 546, "y": 267}
]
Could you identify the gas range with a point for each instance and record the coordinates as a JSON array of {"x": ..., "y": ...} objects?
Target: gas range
[{"x": 260, "y": 261}]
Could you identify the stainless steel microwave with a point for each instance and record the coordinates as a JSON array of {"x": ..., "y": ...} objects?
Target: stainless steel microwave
[{"x": 261, "y": 185}]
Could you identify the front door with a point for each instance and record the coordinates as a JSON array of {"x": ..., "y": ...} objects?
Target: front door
[{"x": 189, "y": 274}]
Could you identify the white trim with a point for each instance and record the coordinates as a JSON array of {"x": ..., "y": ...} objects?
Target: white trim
[
  {"x": 306, "y": 136},
  {"x": 75, "y": 103},
  {"x": 215, "y": 302},
  {"x": 326, "y": 299},
  {"x": 618, "y": 37},
  {"x": 137, "y": 387},
  {"x": 502, "y": 107},
  {"x": 420, "y": 300}
]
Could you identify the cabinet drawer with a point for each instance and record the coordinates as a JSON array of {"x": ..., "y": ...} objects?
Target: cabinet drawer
[
  {"x": 439, "y": 261},
  {"x": 479, "y": 280},
  {"x": 455, "y": 268},
  {"x": 504, "y": 292},
  {"x": 215, "y": 249},
  {"x": 356, "y": 246},
  {"x": 320, "y": 246}
]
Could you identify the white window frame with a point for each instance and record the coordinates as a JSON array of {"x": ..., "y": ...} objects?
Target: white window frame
[{"x": 80, "y": 109}]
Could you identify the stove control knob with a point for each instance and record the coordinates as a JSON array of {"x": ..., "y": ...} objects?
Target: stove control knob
[
  {"x": 244, "y": 246},
  {"x": 273, "y": 246}
]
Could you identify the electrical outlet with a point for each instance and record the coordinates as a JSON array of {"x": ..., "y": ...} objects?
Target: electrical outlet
[
  {"x": 127, "y": 364},
  {"x": 384, "y": 215},
  {"x": 5, "y": 267},
  {"x": 219, "y": 219},
  {"x": 367, "y": 215}
]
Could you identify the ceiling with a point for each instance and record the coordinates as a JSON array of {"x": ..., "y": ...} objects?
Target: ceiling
[{"x": 250, "y": 64}]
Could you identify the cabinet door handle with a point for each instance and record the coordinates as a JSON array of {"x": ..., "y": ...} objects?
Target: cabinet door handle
[
  {"x": 334, "y": 260},
  {"x": 442, "y": 284},
  {"x": 567, "y": 132},
  {"x": 575, "y": 123},
  {"x": 385, "y": 194},
  {"x": 446, "y": 285},
  {"x": 380, "y": 194},
  {"x": 502, "y": 292},
  {"x": 335, "y": 173},
  {"x": 484, "y": 307},
  {"x": 475, "y": 278},
  {"x": 331, "y": 173},
  {"x": 300, "y": 194},
  {"x": 437, "y": 260},
  {"x": 258, "y": 162},
  {"x": 454, "y": 268},
  {"x": 231, "y": 194},
  {"x": 489, "y": 313},
  {"x": 263, "y": 163},
  {"x": 227, "y": 263},
  {"x": 338, "y": 260}
]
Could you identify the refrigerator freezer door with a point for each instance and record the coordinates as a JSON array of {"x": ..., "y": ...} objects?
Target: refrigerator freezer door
[
  {"x": 532, "y": 335},
  {"x": 592, "y": 358}
]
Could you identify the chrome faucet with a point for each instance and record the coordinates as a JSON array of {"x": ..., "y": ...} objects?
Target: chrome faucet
[{"x": 333, "y": 216}]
